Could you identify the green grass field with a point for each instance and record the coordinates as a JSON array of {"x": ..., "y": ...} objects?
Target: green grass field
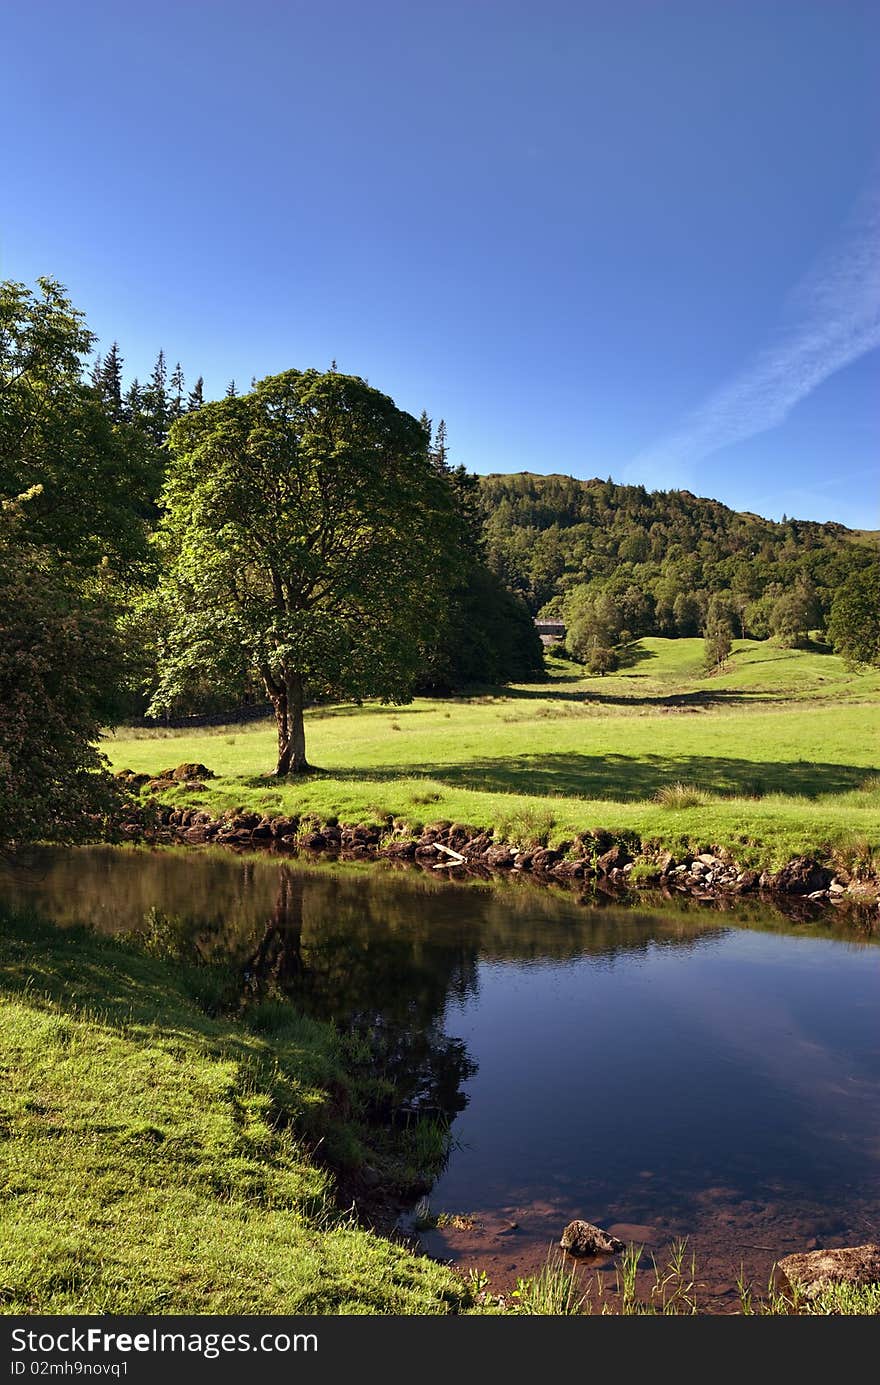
[
  {"x": 785, "y": 744},
  {"x": 154, "y": 1159}
]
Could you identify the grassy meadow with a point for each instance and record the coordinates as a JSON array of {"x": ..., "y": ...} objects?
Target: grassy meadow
[{"x": 782, "y": 750}]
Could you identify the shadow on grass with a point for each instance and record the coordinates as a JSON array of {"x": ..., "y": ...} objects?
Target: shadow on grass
[
  {"x": 632, "y": 654},
  {"x": 703, "y": 697},
  {"x": 622, "y": 778}
]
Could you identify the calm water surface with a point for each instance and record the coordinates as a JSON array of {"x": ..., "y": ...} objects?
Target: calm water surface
[{"x": 673, "y": 1071}]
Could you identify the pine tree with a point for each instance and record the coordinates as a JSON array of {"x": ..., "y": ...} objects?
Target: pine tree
[
  {"x": 111, "y": 378},
  {"x": 440, "y": 450},
  {"x": 177, "y": 387},
  {"x": 155, "y": 413},
  {"x": 133, "y": 401},
  {"x": 159, "y": 377},
  {"x": 231, "y": 391},
  {"x": 196, "y": 396}
]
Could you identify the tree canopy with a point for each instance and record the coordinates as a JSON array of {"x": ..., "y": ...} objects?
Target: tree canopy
[
  {"x": 96, "y": 478},
  {"x": 854, "y": 625},
  {"x": 59, "y": 672},
  {"x": 76, "y": 487},
  {"x": 308, "y": 536}
]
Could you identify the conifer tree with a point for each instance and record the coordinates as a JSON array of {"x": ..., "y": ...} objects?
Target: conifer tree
[
  {"x": 440, "y": 449},
  {"x": 159, "y": 377},
  {"x": 156, "y": 415},
  {"x": 133, "y": 401},
  {"x": 110, "y": 383},
  {"x": 177, "y": 386}
]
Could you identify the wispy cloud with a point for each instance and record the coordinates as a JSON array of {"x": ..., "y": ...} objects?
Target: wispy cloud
[{"x": 831, "y": 318}]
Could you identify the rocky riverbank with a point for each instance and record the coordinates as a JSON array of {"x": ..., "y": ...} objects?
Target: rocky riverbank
[{"x": 613, "y": 863}]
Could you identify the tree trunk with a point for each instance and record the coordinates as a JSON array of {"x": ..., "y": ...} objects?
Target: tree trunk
[
  {"x": 277, "y": 694},
  {"x": 284, "y": 749},
  {"x": 296, "y": 726},
  {"x": 287, "y": 697}
]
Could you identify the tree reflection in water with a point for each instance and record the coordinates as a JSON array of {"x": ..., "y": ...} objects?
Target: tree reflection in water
[{"x": 385, "y": 994}]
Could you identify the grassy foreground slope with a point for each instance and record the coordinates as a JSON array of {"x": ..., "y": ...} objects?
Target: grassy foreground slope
[
  {"x": 784, "y": 745},
  {"x": 156, "y": 1160}
]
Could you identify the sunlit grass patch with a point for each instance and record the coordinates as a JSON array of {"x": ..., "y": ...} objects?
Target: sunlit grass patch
[
  {"x": 158, "y": 1159},
  {"x": 782, "y": 751}
]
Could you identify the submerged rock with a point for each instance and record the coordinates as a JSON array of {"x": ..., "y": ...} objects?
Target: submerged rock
[
  {"x": 583, "y": 1238},
  {"x": 815, "y": 1270}
]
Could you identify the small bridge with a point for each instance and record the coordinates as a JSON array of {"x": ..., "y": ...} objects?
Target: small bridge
[{"x": 550, "y": 631}]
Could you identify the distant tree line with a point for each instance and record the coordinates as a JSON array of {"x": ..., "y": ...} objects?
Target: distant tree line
[{"x": 619, "y": 562}]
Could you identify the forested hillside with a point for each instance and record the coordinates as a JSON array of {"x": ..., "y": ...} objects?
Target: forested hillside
[{"x": 657, "y": 558}]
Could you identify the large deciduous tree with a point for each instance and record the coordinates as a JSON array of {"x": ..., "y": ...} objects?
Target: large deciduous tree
[
  {"x": 593, "y": 621},
  {"x": 96, "y": 480},
  {"x": 309, "y": 537},
  {"x": 76, "y": 486},
  {"x": 59, "y": 663},
  {"x": 854, "y": 624}
]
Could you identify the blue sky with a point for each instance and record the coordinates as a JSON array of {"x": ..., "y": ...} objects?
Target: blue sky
[{"x": 629, "y": 238}]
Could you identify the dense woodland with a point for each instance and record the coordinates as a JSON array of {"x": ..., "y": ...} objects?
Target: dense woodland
[{"x": 622, "y": 560}]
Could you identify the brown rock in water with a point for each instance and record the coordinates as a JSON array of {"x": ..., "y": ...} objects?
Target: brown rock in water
[
  {"x": 545, "y": 859},
  {"x": 571, "y": 870},
  {"x": 583, "y": 1238},
  {"x": 499, "y": 856},
  {"x": 815, "y": 1270},
  {"x": 402, "y": 850},
  {"x": 282, "y": 827},
  {"x": 801, "y": 876}
]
